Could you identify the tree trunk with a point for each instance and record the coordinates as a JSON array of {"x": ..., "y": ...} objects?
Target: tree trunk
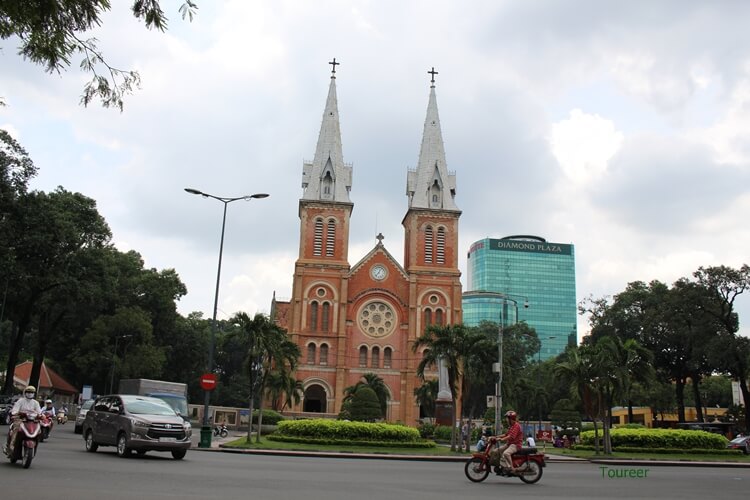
[
  {"x": 630, "y": 411},
  {"x": 698, "y": 400},
  {"x": 746, "y": 399},
  {"x": 679, "y": 387},
  {"x": 44, "y": 334},
  {"x": 250, "y": 422},
  {"x": 453, "y": 424},
  {"x": 596, "y": 437}
]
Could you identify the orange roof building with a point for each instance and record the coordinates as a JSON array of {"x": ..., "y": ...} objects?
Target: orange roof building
[{"x": 50, "y": 382}]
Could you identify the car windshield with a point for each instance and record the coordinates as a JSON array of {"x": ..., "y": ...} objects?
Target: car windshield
[
  {"x": 87, "y": 405},
  {"x": 148, "y": 407},
  {"x": 178, "y": 403},
  {"x": 738, "y": 440}
]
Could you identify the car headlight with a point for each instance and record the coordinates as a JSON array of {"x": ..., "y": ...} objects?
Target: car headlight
[
  {"x": 140, "y": 424},
  {"x": 187, "y": 426}
]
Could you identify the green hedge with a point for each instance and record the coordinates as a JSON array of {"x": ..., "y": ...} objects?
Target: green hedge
[
  {"x": 672, "y": 451},
  {"x": 341, "y": 429},
  {"x": 270, "y": 417},
  {"x": 351, "y": 442},
  {"x": 660, "y": 438}
]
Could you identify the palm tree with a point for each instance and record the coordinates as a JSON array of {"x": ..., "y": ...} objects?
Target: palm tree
[
  {"x": 270, "y": 349},
  {"x": 374, "y": 382},
  {"x": 451, "y": 345},
  {"x": 425, "y": 396},
  {"x": 283, "y": 389}
]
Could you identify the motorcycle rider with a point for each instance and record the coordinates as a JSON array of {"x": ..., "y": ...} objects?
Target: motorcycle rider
[
  {"x": 49, "y": 409},
  {"x": 25, "y": 404},
  {"x": 513, "y": 438}
]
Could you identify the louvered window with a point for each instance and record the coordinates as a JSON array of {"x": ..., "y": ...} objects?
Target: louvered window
[
  {"x": 427, "y": 318},
  {"x": 330, "y": 237},
  {"x": 323, "y": 354},
  {"x": 363, "y": 357},
  {"x": 310, "y": 354},
  {"x": 441, "y": 245},
  {"x": 324, "y": 319},
  {"x": 428, "y": 245},
  {"x": 314, "y": 317},
  {"x": 439, "y": 317},
  {"x": 375, "y": 358},
  {"x": 387, "y": 354},
  {"x": 318, "y": 243}
]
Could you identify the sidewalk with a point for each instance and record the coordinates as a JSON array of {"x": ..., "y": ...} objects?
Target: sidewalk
[{"x": 217, "y": 445}]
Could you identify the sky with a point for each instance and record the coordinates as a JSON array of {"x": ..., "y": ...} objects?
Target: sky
[{"x": 620, "y": 127}]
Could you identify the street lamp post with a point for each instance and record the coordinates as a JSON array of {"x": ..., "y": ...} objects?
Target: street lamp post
[
  {"x": 206, "y": 430},
  {"x": 114, "y": 355},
  {"x": 500, "y": 331}
]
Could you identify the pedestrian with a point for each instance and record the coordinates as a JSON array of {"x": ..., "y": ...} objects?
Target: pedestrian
[
  {"x": 530, "y": 441},
  {"x": 465, "y": 433}
]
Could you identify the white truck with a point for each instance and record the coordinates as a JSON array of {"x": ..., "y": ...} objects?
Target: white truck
[{"x": 172, "y": 393}]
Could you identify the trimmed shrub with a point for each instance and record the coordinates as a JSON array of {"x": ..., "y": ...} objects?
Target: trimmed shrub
[
  {"x": 660, "y": 438},
  {"x": 341, "y": 429},
  {"x": 365, "y": 405},
  {"x": 443, "y": 432},
  {"x": 671, "y": 451},
  {"x": 426, "y": 430},
  {"x": 352, "y": 442},
  {"x": 630, "y": 426},
  {"x": 270, "y": 417}
]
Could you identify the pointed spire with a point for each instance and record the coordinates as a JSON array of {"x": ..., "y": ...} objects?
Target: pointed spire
[
  {"x": 327, "y": 178},
  {"x": 431, "y": 185}
]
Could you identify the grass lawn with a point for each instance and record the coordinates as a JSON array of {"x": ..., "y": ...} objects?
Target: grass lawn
[
  {"x": 650, "y": 456},
  {"x": 266, "y": 444}
]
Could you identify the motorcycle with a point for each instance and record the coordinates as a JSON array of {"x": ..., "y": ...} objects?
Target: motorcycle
[
  {"x": 27, "y": 438},
  {"x": 221, "y": 430},
  {"x": 527, "y": 462},
  {"x": 45, "y": 421},
  {"x": 61, "y": 417}
]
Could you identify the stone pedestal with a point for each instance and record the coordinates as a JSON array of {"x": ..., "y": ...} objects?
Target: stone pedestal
[{"x": 444, "y": 413}]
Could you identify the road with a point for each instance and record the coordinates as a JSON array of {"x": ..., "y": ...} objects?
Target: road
[{"x": 63, "y": 470}]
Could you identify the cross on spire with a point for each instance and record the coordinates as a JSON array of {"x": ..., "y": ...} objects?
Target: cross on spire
[
  {"x": 380, "y": 238},
  {"x": 334, "y": 64},
  {"x": 431, "y": 72}
]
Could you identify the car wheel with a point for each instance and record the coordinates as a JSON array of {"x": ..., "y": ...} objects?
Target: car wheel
[
  {"x": 122, "y": 445},
  {"x": 89, "y": 440},
  {"x": 178, "y": 454}
]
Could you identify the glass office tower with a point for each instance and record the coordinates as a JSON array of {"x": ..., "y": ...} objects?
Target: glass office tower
[{"x": 524, "y": 269}]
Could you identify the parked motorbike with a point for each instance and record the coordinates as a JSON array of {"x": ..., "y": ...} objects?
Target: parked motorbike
[
  {"x": 27, "y": 438},
  {"x": 221, "y": 430},
  {"x": 528, "y": 463},
  {"x": 61, "y": 417},
  {"x": 45, "y": 422}
]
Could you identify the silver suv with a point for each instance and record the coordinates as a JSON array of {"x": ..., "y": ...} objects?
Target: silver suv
[{"x": 135, "y": 423}]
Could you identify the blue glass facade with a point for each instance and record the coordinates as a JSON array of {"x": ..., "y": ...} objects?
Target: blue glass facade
[{"x": 524, "y": 269}]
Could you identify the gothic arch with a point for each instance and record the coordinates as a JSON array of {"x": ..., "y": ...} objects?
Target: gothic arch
[{"x": 316, "y": 396}]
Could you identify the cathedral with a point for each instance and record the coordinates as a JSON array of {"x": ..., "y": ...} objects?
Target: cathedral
[{"x": 349, "y": 320}]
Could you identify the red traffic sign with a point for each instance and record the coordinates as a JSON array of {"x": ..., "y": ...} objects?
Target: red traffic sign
[{"x": 208, "y": 381}]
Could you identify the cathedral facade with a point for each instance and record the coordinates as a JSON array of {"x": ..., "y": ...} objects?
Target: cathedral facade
[{"x": 349, "y": 320}]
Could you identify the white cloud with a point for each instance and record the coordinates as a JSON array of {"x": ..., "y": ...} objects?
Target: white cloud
[{"x": 583, "y": 144}]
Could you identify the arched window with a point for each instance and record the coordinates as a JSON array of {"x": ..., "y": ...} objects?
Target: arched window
[
  {"x": 427, "y": 317},
  {"x": 330, "y": 237},
  {"x": 314, "y": 316},
  {"x": 311, "y": 354},
  {"x": 375, "y": 358},
  {"x": 327, "y": 185},
  {"x": 387, "y": 355},
  {"x": 435, "y": 191},
  {"x": 318, "y": 241},
  {"x": 439, "y": 317},
  {"x": 440, "y": 245},
  {"x": 325, "y": 317},
  {"x": 324, "y": 354},
  {"x": 428, "y": 245},
  {"x": 363, "y": 357}
]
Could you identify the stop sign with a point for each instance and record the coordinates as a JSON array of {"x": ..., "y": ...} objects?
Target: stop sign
[{"x": 208, "y": 381}]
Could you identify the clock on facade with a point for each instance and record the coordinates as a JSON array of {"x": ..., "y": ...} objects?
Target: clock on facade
[{"x": 378, "y": 272}]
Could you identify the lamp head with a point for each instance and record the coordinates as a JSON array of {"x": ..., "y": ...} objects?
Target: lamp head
[
  {"x": 258, "y": 195},
  {"x": 193, "y": 191},
  {"x": 526, "y": 304}
]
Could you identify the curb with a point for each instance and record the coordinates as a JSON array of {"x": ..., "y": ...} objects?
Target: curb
[{"x": 221, "y": 448}]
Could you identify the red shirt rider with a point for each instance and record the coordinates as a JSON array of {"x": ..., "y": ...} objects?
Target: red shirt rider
[{"x": 514, "y": 435}]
